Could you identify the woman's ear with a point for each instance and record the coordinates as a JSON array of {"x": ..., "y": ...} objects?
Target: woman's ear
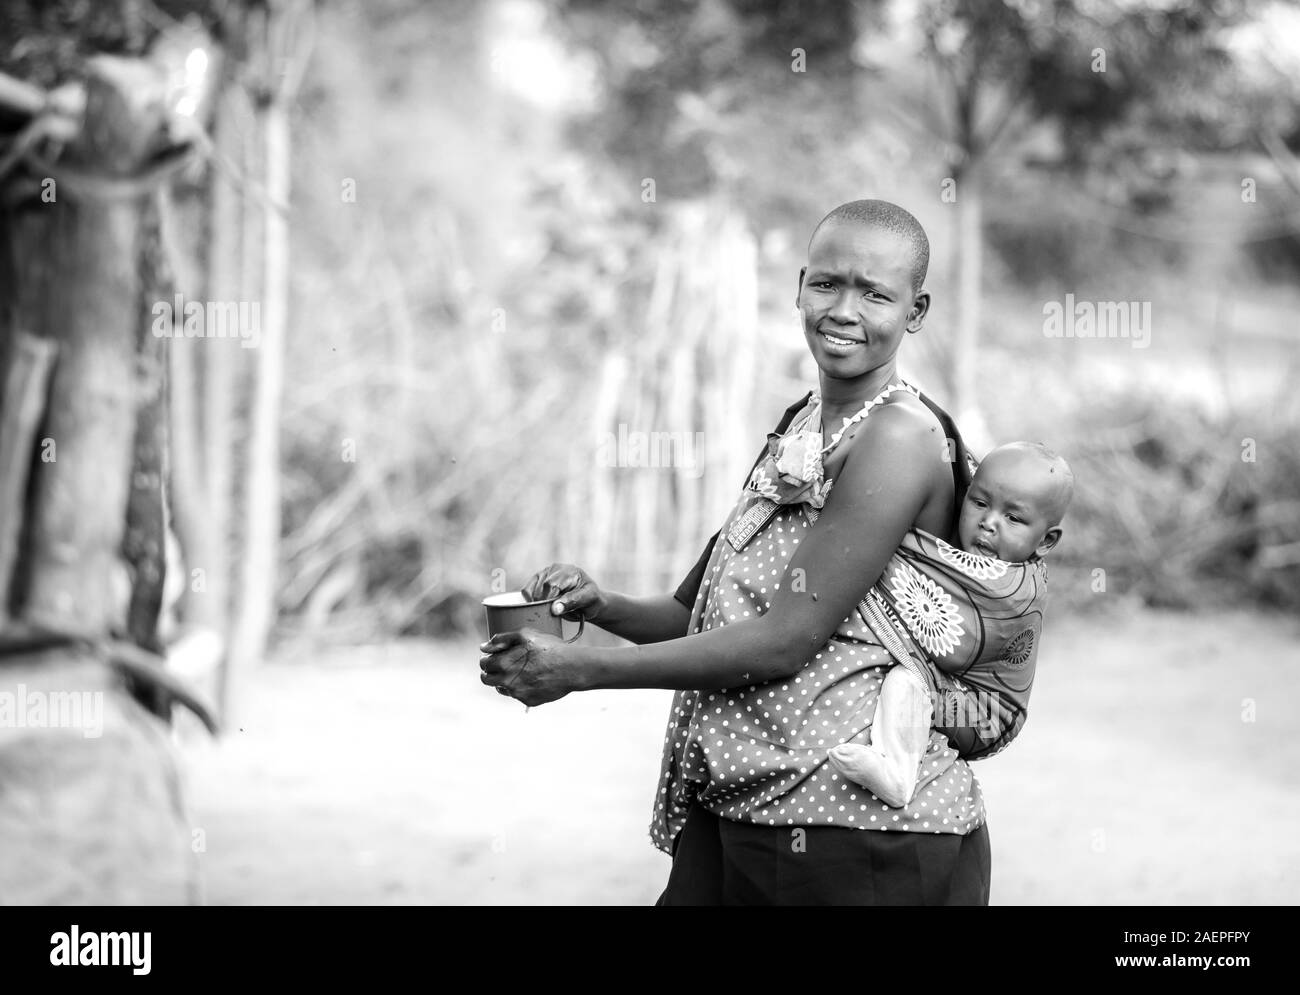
[
  {"x": 1050, "y": 538},
  {"x": 920, "y": 308}
]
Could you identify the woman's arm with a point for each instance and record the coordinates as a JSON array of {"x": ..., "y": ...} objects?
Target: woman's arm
[
  {"x": 890, "y": 765},
  {"x": 643, "y": 620},
  {"x": 885, "y": 481}
]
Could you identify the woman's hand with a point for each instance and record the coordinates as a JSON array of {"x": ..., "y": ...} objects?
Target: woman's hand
[
  {"x": 529, "y": 666},
  {"x": 576, "y": 593}
]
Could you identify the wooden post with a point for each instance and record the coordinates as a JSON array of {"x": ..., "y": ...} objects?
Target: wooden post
[
  {"x": 93, "y": 811},
  {"x": 84, "y": 291},
  {"x": 970, "y": 225},
  {"x": 22, "y": 405},
  {"x": 218, "y": 364},
  {"x": 288, "y": 45}
]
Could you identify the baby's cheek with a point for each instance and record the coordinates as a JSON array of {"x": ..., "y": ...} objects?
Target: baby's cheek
[{"x": 965, "y": 531}]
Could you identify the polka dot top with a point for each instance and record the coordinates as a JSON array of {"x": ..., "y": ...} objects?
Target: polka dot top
[{"x": 758, "y": 754}]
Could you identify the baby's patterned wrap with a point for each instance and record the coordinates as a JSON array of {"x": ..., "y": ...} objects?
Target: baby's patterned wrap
[{"x": 976, "y": 620}]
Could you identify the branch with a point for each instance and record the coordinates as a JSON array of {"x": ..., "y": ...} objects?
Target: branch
[
  {"x": 22, "y": 97},
  {"x": 22, "y": 405},
  {"x": 1282, "y": 157}
]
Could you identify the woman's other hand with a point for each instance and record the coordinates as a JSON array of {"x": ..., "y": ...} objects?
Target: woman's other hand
[
  {"x": 576, "y": 594},
  {"x": 529, "y": 666}
]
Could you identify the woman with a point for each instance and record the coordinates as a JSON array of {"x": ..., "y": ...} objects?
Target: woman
[{"x": 748, "y": 804}]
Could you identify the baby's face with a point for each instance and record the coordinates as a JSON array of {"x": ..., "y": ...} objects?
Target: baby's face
[{"x": 1009, "y": 511}]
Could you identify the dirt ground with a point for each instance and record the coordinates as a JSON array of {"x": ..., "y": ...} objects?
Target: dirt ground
[{"x": 1158, "y": 766}]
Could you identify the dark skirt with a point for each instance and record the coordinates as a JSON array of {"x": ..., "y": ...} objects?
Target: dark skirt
[{"x": 720, "y": 862}]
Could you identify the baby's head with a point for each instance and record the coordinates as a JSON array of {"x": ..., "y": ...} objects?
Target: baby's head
[{"x": 1015, "y": 504}]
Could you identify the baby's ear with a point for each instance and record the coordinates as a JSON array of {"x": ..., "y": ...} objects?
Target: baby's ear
[{"x": 1050, "y": 538}]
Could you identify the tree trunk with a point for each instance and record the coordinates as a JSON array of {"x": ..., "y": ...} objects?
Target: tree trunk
[
  {"x": 259, "y": 560},
  {"x": 22, "y": 406},
  {"x": 84, "y": 291},
  {"x": 218, "y": 367},
  {"x": 970, "y": 227}
]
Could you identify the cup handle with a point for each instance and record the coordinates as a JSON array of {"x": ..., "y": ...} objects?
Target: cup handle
[{"x": 582, "y": 624}]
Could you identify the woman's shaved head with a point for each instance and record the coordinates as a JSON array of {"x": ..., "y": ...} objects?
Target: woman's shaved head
[{"x": 890, "y": 217}]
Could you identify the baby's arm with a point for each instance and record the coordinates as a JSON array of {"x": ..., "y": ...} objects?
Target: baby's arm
[{"x": 900, "y": 732}]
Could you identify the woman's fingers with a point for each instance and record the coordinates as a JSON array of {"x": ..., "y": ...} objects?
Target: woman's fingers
[
  {"x": 573, "y": 603},
  {"x": 502, "y": 641},
  {"x": 535, "y": 589},
  {"x": 502, "y": 655},
  {"x": 531, "y": 670},
  {"x": 569, "y": 585},
  {"x": 554, "y": 580}
]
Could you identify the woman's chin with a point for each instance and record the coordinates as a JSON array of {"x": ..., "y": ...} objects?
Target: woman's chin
[
  {"x": 841, "y": 369},
  {"x": 838, "y": 366}
]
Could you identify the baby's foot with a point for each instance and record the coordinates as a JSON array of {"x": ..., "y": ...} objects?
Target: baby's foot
[
  {"x": 871, "y": 769},
  {"x": 855, "y": 762}
]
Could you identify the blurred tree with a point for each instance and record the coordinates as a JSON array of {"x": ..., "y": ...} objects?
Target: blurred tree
[
  {"x": 280, "y": 43},
  {"x": 1000, "y": 70},
  {"x": 694, "y": 90}
]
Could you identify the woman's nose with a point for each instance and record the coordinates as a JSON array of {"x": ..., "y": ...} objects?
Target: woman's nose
[{"x": 843, "y": 309}]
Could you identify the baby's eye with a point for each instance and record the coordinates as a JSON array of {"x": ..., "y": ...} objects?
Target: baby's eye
[{"x": 1013, "y": 518}]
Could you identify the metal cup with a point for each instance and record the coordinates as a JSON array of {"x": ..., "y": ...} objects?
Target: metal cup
[{"x": 512, "y": 611}]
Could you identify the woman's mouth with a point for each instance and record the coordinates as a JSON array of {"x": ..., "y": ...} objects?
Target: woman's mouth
[{"x": 839, "y": 345}]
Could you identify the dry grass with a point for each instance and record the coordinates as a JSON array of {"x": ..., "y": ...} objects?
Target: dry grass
[{"x": 388, "y": 774}]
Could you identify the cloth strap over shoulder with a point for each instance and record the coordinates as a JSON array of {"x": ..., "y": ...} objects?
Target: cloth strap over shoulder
[
  {"x": 689, "y": 588},
  {"x": 963, "y": 469}
]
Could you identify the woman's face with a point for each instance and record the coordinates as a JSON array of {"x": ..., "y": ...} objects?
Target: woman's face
[{"x": 855, "y": 298}]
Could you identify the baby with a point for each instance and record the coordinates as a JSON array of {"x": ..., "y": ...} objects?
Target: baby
[{"x": 1012, "y": 513}]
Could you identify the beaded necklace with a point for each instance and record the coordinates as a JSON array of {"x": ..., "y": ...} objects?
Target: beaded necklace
[{"x": 863, "y": 411}]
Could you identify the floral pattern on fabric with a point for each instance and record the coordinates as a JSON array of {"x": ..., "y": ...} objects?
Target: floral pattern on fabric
[
  {"x": 972, "y": 564},
  {"x": 926, "y": 609},
  {"x": 792, "y": 473},
  {"x": 1019, "y": 650}
]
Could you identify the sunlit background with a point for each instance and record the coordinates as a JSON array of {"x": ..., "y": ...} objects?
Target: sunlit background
[{"x": 488, "y": 240}]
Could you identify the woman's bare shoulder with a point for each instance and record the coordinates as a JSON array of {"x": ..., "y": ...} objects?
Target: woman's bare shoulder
[
  {"x": 905, "y": 417},
  {"x": 900, "y": 441},
  {"x": 889, "y": 444}
]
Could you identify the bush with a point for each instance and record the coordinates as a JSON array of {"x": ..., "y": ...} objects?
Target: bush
[{"x": 1181, "y": 509}]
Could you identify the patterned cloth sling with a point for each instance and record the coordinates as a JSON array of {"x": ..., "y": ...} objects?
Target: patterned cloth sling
[{"x": 956, "y": 620}]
